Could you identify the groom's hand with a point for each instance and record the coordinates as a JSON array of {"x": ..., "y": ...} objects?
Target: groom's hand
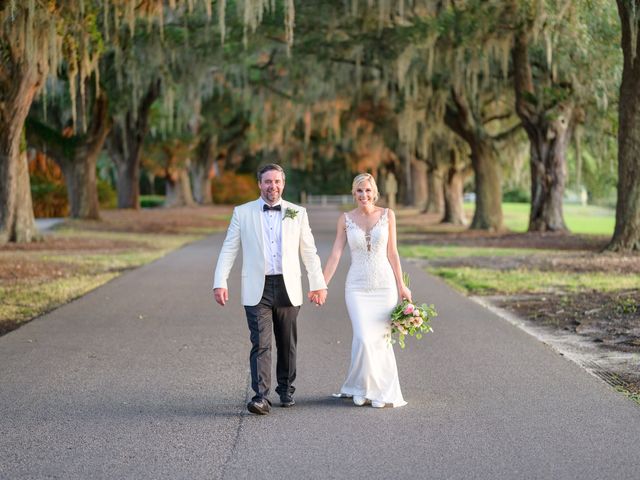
[
  {"x": 222, "y": 295},
  {"x": 317, "y": 296}
]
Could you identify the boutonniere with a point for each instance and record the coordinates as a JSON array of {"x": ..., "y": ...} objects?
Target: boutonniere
[{"x": 290, "y": 213}]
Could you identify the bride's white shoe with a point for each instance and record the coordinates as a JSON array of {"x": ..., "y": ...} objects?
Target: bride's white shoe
[
  {"x": 359, "y": 401},
  {"x": 378, "y": 404}
]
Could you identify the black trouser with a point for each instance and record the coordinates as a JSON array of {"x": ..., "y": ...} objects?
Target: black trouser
[{"x": 274, "y": 312}]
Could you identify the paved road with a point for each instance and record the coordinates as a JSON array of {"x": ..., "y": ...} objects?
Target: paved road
[{"x": 146, "y": 378}]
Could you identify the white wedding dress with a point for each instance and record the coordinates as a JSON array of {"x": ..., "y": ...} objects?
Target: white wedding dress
[{"x": 371, "y": 294}]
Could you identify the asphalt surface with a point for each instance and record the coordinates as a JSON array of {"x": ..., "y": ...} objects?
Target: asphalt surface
[{"x": 147, "y": 378}]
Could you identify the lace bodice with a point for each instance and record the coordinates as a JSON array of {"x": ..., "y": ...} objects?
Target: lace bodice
[{"x": 370, "y": 267}]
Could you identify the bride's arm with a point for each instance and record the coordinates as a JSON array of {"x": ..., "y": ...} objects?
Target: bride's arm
[
  {"x": 336, "y": 252},
  {"x": 394, "y": 258}
]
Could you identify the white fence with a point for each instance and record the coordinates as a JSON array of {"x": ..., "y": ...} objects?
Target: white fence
[{"x": 327, "y": 199}]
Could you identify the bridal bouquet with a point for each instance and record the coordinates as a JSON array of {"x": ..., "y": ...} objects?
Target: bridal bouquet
[{"x": 412, "y": 319}]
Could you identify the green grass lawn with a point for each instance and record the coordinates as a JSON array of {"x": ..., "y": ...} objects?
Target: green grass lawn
[
  {"x": 589, "y": 220},
  {"x": 481, "y": 281},
  {"x": 455, "y": 251}
]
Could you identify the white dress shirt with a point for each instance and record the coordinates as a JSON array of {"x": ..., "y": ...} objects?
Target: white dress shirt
[{"x": 272, "y": 238}]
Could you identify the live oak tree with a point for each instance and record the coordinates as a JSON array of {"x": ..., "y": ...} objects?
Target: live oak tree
[
  {"x": 556, "y": 81},
  {"x": 36, "y": 37},
  {"x": 24, "y": 52},
  {"x": 141, "y": 68},
  {"x": 75, "y": 151},
  {"x": 430, "y": 63},
  {"x": 547, "y": 112},
  {"x": 626, "y": 236},
  {"x": 466, "y": 69},
  {"x": 469, "y": 121},
  {"x": 449, "y": 58},
  {"x": 449, "y": 168}
]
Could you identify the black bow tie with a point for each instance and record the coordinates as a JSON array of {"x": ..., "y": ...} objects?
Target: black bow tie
[{"x": 266, "y": 207}]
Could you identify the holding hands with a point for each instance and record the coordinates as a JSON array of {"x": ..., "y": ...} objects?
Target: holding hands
[{"x": 317, "y": 296}]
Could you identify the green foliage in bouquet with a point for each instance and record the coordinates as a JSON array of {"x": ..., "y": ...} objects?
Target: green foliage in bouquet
[{"x": 411, "y": 319}]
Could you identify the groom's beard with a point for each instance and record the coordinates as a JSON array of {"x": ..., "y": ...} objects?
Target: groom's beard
[{"x": 272, "y": 197}]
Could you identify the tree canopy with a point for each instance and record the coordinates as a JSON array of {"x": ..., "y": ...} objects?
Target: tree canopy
[{"x": 476, "y": 88}]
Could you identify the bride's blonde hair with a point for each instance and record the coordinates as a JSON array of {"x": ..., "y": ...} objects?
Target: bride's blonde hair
[{"x": 365, "y": 177}]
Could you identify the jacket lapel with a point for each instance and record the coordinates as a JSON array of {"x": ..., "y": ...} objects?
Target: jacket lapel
[
  {"x": 287, "y": 223},
  {"x": 257, "y": 223}
]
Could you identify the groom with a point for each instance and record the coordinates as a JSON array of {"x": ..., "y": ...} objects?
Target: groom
[{"x": 271, "y": 232}]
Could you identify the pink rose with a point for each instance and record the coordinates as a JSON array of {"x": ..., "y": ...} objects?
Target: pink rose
[{"x": 408, "y": 310}]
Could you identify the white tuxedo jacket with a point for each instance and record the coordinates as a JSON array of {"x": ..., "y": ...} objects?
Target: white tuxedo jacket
[{"x": 246, "y": 229}]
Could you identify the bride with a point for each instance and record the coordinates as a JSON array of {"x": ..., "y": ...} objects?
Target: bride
[{"x": 373, "y": 285}]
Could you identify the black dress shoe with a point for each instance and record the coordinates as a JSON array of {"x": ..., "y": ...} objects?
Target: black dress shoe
[
  {"x": 287, "y": 401},
  {"x": 259, "y": 407}
]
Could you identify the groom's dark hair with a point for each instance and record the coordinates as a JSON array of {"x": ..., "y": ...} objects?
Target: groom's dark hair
[{"x": 268, "y": 167}]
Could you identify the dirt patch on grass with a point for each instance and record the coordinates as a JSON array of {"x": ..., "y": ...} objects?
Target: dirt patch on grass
[
  {"x": 64, "y": 244},
  {"x": 159, "y": 220},
  {"x": 611, "y": 320},
  {"x": 19, "y": 268}
]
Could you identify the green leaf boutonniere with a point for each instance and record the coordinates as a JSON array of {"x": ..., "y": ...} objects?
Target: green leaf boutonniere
[{"x": 290, "y": 213}]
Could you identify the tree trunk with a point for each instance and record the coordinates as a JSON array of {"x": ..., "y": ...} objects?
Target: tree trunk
[
  {"x": 179, "y": 189},
  {"x": 152, "y": 181},
  {"x": 405, "y": 187},
  {"x": 549, "y": 141},
  {"x": 25, "y": 225},
  {"x": 454, "y": 194},
  {"x": 548, "y": 173},
  {"x": 200, "y": 170},
  {"x": 435, "y": 190},
  {"x": 419, "y": 174},
  {"x": 125, "y": 146},
  {"x": 486, "y": 169},
  {"x": 82, "y": 186},
  {"x": 85, "y": 191},
  {"x": 626, "y": 235},
  {"x": 17, "y": 223},
  {"x": 77, "y": 157},
  {"x": 127, "y": 179}
]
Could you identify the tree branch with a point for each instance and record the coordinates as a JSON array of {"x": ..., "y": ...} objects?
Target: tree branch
[
  {"x": 460, "y": 119},
  {"x": 49, "y": 141},
  {"x": 99, "y": 126},
  {"x": 507, "y": 134},
  {"x": 500, "y": 116},
  {"x": 523, "y": 81}
]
